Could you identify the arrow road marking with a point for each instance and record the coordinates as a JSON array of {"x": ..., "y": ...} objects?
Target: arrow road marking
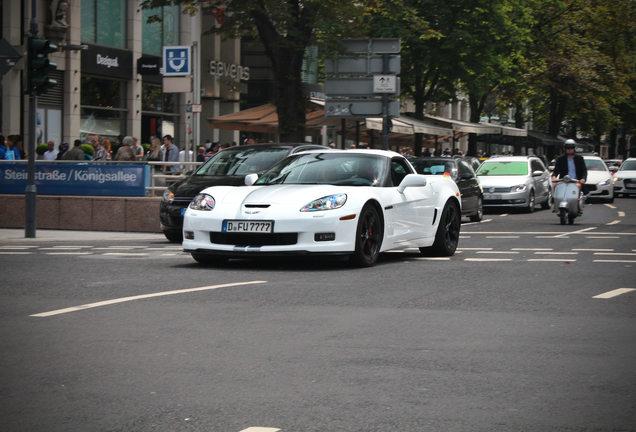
[{"x": 139, "y": 297}]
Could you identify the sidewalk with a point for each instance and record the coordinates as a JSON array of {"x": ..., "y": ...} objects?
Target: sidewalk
[{"x": 63, "y": 235}]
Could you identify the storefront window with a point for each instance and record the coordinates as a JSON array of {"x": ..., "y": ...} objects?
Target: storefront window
[
  {"x": 156, "y": 35},
  {"x": 103, "y": 110},
  {"x": 153, "y": 99},
  {"x": 104, "y": 22}
]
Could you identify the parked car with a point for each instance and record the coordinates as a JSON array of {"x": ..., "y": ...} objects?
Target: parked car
[
  {"x": 613, "y": 163},
  {"x": 228, "y": 167},
  {"x": 625, "y": 178},
  {"x": 462, "y": 172},
  {"x": 515, "y": 181},
  {"x": 355, "y": 202},
  {"x": 599, "y": 182}
]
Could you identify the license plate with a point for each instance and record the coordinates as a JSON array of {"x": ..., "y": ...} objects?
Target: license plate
[
  {"x": 492, "y": 196},
  {"x": 183, "y": 211},
  {"x": 248, "y": 226},
  {"x": 630, "y": 185}
]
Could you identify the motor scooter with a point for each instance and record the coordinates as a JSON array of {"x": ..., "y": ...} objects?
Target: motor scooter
[{"x": 568, "y": 200}]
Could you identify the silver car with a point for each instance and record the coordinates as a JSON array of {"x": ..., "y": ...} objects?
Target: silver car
[{"x": 515, "y": 181}]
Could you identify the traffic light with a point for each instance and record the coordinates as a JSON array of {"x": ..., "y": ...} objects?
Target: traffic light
[{"x": 39, "y": 65}]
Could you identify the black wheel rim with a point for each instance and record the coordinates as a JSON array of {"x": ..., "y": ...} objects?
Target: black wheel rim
[
  {"x": 369, "y": 235},
  {"x": 452, "y": 227}
]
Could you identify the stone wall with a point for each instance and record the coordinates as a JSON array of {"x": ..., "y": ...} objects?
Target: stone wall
[{"x": 126, "y": 214}]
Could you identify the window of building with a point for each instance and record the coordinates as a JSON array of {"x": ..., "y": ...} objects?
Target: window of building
[
  {"x": 157, "y": 34},
  {"x": 104, "y": 22},
  {"x": 103, "y": 109}
]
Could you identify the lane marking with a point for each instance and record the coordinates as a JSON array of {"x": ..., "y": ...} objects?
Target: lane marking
[
  {"x": 260, "y": 429},
  {"x": 17, "y": 247},
  {"x": 552, "y": 233},
  {"x": 501, "y": 237},
  {"x": 594, "y": 250},
  {"x": 610, "y": 206},
  {"x": 532, "y": 249},
  {"x": 551, "y": 260},
  {"x": 613, "y": 261},
  {"x": 504, "y": 215},
  {"x": 488, "y": 259},
  {"x": 613, "y": 222},
  {"x": 615, "y": 253},
  {"x": 129, "y": 254},
  {"x": 578, "y": 232},
  {"x": 69, "y": 253},
  {"x": 556, "y": 253},
  {"x": 15, "y": 253},
  {"x": 139, "y": 297},
  {"x": 614, "y": 293},
  {"x": 621, "y": 214},
  {"x": 432, "y": 259},
  {"x": 477, "y": 248},
  {"x": 496, "y": 252},
  {"x": 564, "y": 236},
  {"x": 602, "y": 238}
]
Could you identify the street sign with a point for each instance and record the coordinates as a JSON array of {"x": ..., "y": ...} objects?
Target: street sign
[
  {"x": 360, "y": 86},
  {"x": 362, "y": 108},
  {"x": 363, "y": 65},
  {"x": 372, "y": 46},
  {"x": 385, "y": 84},
  {"x": 197, "y": 108},
  {"x": 9, "y": 56},
  {"x": 176, "y": 61}
]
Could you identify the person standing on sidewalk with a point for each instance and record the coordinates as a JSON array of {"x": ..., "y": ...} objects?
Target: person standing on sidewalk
[
  {"x": 170, "y": 154},
  {"x": 76, "y": 153}
]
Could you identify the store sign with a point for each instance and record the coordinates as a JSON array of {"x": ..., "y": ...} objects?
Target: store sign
[
  {"x": 77, "y": 179},
  {"x": 176, "y": 61},
  {"x": 234, "y": 71},
  {"x": 108, "y": 62},
  {"x": 149, "y": 65}
]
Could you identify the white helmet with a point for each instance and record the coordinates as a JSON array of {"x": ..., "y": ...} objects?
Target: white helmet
[{"x": 569, "y": 144}]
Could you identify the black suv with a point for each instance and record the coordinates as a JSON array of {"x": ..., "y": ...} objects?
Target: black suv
[{"x": 226, "y": 168}]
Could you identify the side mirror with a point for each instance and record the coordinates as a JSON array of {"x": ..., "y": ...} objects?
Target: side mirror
[
  {"x": 250, "y": 179},
  {"x": 613, "y": 169},
  {"x": 412, "y": 180},
  {"x": 466, "y": 176},
  {"x": 537, "y": 173}
]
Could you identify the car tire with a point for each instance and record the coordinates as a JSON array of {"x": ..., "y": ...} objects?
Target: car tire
[
  {"x": 369, "y": 235},
  {"x": 447, "y": 236},
  {"x": 548, "y": 202},
  {"x": 208, "y": 259},
  {"x": 531, "y": 202},
  {"x": 173, "y": 236},
  {"x": 477, "y": 217}
]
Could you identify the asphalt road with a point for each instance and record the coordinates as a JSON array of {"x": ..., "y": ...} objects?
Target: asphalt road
[{"x": 104, "y": 332}]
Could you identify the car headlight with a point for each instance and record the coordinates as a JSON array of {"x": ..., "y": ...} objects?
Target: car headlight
[
  {"x": 617, "y": 179},
  {"x": 202, "y": 202},
  {"x": 518, "y": 188},
  {"x": 331, "y": 202},
  {"x": 168, "y": 196},
  {"x": 604, "y": 183}
]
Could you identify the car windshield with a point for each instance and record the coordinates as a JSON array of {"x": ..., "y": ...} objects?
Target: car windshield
[
  {"x": 242, "y": 160},
  {"x": 595, "y": 165},
  {"x": 496, "y": 168},
  {"x": 339, "y": 168},
  {"x": 629, "y": 165},
  {"x": 430, "y": 166}
]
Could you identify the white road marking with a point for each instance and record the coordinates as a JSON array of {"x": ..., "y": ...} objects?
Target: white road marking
[
  {"x": 433, "y": 259},
  {"x": 613, "y": 222},
  {"x": 603, "y": 238},
  {"x": 540, "y": 233},
  {"x": 501, "y": 237},
  {"x": 488, "y": 259},
  {"x": 139, "y": 297},
  {"x": 497, "y": 252},
  {"x": 504, "y": 215},
  {"x": 129, "y": 254},
  {"x": 614, "y": 261},
  {"x": 17, "y": 247},
  {"x": 551, "y": 260},
  {"x": 621, "y": 214},
  {"x": 69, "y": 253},
  {"x": 553, "y": 237},
  {"x": 610, "y": 206},
  {"x": 15, "y": 253},
  {"x": 532, "y": 249},
  {"x": 556, "y": 253},
  {"x": 594, "y": 250},
  {"x": 467, "y": 249},
  {"x": 614, "y": 293},
  {"x": 260, "y": 429},
  {"x": 615, "y": 253},
  {"x": 578, "y": 232}
]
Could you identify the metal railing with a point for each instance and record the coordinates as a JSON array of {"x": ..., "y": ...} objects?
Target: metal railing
[{"x": 159, "y": 181}]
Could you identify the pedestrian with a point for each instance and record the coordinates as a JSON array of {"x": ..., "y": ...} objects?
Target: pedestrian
[
  {"x": 3, "y": 147},
  {"x": 154, "y": 154},
  {"x": 51, "y": 153},
  {"x": 14, "y": 142},
  {"x": 125, "y": 152},
  {"x": 101, "y": 154},
  {"x": 62, "y": 150},
  {"x": 76, "y": 153},
  {"x": 138, "y": 149},
  {"x": 170, "y": 154}
]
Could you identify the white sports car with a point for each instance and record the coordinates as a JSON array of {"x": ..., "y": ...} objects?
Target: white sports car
[{"x": 353, "y": 202}]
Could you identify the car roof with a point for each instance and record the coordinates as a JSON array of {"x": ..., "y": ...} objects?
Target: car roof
[
  {"x": 591, "y": 157},
  {"x": 510, "y": 158},
  {"x": 383, "y": 153}
]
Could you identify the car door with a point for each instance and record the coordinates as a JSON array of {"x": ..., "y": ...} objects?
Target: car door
[
  {"x": 409, "y": 214},
  {"x": 468, "y": 186},
  {"x": 541, "y": 183}
]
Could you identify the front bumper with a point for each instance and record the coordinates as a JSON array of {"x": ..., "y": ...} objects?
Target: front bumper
[
  {"x": 501, "y": 198},
  {"x": 595, "y": 190},
  {"x": 625, "y": 186},
  {"x": 171, "y": 214}
]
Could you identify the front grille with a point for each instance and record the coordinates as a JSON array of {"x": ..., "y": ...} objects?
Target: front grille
[
  {"x": 591, "y": 187},
  {"x": 254, "y": 239},
  {"x": 497, "y": 190}
]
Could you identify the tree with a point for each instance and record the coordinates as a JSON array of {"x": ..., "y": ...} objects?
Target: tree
[{"x": 286, "y": 28}]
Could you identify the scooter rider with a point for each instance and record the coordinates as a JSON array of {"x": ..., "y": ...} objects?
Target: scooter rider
[{"x": 570, "y": 164}]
